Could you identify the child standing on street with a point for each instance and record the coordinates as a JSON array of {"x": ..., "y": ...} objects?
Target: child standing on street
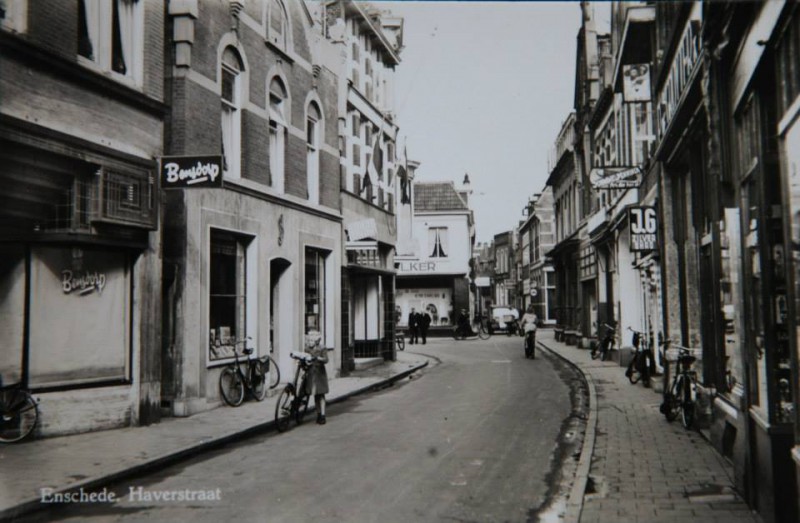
[{"x": 317, "y": 377}]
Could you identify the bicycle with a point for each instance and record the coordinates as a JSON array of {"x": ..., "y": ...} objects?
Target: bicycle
[
  {"x": 258, "y": 373},
  {"x": 477, "y": 328},
  {"x": 293, "y": 401},
  {"x": 680, "y": 398},
  {"x": 639, "y": 367},
  {"x": 530, "y": 344},
  {"x": 400, "y": 340},
  {"x": 19, "y": 413},
  {"x": 603, "y": 349}
]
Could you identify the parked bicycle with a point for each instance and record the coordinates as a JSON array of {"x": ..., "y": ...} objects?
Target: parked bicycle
[
  {"x": 293, "y": 401},
  {"x": 603, "y": 349},
  {"x": 253, "y": 375},
  {"x": 19, "y": 413},
  {"x": 400, "y": 340},
  {"x": 680, "y": 398},
  {"x": 639, "y": 367},
  {"x": 478, "y": 327}
]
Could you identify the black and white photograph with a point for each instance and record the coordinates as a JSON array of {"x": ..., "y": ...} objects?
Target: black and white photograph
[{"x": 313, "y": 261}]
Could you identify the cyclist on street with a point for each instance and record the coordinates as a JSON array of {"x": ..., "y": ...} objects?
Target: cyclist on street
[{"x": 528, "y": 323}]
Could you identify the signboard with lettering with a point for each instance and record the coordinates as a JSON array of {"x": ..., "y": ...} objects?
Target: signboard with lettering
[
  {"x": 183, "y": 172},
  {"x": 615, "y": 177},
  {"x": 416, "y": 266},
  {"x": 643, "y": 228}
]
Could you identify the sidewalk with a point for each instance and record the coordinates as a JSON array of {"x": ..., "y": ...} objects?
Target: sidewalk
[
  {"x": 635, "y": 466},
  {"x": 95, "y": 459}
]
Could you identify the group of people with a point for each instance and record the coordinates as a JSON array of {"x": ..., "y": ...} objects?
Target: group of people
[{"x": 418, "y": 323}]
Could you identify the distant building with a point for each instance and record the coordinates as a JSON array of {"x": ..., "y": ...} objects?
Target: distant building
[
  {"x": 432, "y": 273},
  {"x": 536, "y": 238}
]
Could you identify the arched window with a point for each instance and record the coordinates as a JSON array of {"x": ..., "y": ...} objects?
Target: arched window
[
  {"x": 278, "y": 124},
  {"x": 313, "y": 135},
  {"x": 231, "y": 71},
  {"x": 278, "y": 29}
]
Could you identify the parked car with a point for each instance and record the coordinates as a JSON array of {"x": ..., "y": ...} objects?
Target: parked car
[{"x": 502, "y": 315}]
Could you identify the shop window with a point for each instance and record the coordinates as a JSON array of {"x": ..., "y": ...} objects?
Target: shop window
[
  {"x": 315, "y": 295},
  {"x": 110, "y": 36},
  {"x": 437, "y": 242},
  {"x": 227, "y": 299},
  {"x": 278, "y": 125},
  {"x": 231, "y": 78},
  {"x": 79, "y": 316},
  {"x": 313, "y": 128}
]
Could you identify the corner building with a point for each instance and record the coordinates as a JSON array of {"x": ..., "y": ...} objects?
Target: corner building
[{"x": 260, "y": 257}]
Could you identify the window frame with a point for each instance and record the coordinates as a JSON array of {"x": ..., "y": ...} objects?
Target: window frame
[
  {"x": 231, "y": 114},
  {"x": 314, "y": 126},
  {"x": 131, "y": 20},
  {"x": 278, "y": 131}
]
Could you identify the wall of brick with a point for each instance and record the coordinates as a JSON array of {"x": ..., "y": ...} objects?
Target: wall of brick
[
  {"x": 53, "y": 25},
  {"x": 298, "y": 21}
]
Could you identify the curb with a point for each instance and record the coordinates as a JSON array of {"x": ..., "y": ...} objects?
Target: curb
[
  {"x": 575, "y": 499},
  {"x": 172, "y": 457}
]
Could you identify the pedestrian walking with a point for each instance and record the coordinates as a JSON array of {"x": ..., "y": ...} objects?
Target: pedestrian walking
[
  {"x": 317, "y": 377},
  {"x": 413, "y": 326},
  {"x": 424, "y": 323}
]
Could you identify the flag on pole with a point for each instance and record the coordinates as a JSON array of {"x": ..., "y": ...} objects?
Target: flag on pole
[{"x": 402, "y": 173}]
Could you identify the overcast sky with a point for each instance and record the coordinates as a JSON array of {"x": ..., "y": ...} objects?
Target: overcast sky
[{"x": 483, "y": 88}]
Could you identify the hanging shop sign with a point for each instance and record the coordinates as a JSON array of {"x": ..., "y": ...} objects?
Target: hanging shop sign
[
  {"x": 183, "y": 172},
  {"x": 643, "y": 228},
  {"x": 615, "y": 177}
]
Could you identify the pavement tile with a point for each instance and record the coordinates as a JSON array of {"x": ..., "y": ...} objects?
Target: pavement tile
[{"x": 647, "y": 463}]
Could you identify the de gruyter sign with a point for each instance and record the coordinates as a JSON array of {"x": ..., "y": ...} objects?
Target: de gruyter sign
[{"x": 181, "y": 172}]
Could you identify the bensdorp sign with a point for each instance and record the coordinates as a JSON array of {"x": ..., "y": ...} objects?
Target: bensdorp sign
[{"x": 183, "y": 172}]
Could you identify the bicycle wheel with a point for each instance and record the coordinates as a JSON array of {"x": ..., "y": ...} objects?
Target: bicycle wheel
[
  {"x": 483, "y": 333},
  {"x": 672, "y": 404},
  {"x": 284, "y": 408},
  {"x": 231, "y": 386},
  {"x": 258, "y": 380},
  {"x": 533, "y": 346},
  {"x": 19, "y": 416},
  {"x": 401, "y": 342},
  {"x": 274, "y": 372},
  {"x": 633, "y": 373},
  {"x": 302, "y": 408},
  {"x": 688, "y": 406}
]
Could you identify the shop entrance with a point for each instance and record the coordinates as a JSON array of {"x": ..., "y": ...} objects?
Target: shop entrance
[{"x": 280, "y": 308}]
